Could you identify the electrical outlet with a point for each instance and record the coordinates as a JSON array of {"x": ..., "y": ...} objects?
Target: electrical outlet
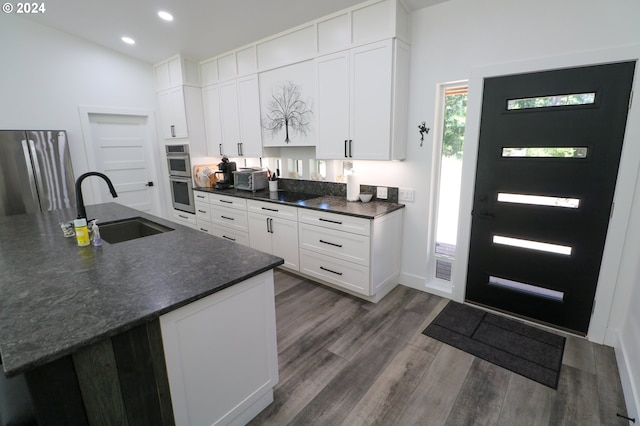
[
  {"x": 381, "y": 192},
  {"x": 405, "y": 194}
]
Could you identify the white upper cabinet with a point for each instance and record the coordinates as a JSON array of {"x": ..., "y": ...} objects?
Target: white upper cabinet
[
  {"x": 249, "y": 113},
  {"x": 239, "y": 112},
  {"x": 212, "y": 120},
  {"x": 367, "y": 22},
  {"x": 361, "y": 93},
  {"x": 333, "y": 105},
  {"x": 176, "y": 71},
  {"x": 173, "y": 115},
  {"x": 181, "y": 117}
]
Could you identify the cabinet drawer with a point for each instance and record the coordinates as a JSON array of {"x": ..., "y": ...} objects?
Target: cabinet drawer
[
  {"x": 203, "y": 211},
  {"x": 339, "y": 222},
  {"x": 183, "y": 218},
  {"x": 343, "y": 245},
  {"x": 229, "y": 217},
  {"x": 227, "y": 201},
  {"x": 273, "y": 209},
  {"x": 204, "y": 226},
  {"x": 201, "y": 197},
  {"x": 231, "y": 234},
  {"x": 335, "y": 271}
]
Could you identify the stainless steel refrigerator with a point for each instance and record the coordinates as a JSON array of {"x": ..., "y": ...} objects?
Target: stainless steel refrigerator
[{"x": 35, "y": 171}]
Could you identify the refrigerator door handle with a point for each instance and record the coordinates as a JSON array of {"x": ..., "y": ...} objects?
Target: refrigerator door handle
[{"x": 30, "y": 174}]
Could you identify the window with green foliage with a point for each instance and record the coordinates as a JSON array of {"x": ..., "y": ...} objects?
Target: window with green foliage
[
  {"x": 455, "y": 115},
  {"x": 552, "y": 101}
]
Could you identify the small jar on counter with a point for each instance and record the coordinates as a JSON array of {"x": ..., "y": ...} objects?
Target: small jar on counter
[{"x": 82, "y": 232}]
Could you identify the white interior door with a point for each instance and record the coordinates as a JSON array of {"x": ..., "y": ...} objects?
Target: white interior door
[{"x": 122, "y": 151}]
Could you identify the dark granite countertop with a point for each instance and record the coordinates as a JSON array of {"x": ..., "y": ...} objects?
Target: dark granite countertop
[
  {"x": 331, "y": 204},
  {"x": 56, "y": 297}
]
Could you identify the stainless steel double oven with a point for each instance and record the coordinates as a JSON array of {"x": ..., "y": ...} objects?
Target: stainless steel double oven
[{"x": 180, "y": 178}]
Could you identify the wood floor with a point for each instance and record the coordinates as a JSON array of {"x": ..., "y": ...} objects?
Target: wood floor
[{"x": 344, "y": 361}]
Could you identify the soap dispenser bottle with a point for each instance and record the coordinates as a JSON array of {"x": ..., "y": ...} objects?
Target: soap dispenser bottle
[{"x": 97, "y": 240}]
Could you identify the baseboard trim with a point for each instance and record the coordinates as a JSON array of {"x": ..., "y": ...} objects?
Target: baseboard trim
[
  {"x": 631, "y": 394},
  {"x": 420, "y": 283}
]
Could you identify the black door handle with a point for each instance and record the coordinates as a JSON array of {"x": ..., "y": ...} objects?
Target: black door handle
[
  {"x": 485, "y": 214},
  {"x": 148, "y": 184}
]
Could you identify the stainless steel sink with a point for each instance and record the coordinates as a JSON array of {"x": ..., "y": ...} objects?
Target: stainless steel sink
[{"x": 131, "y": 228}]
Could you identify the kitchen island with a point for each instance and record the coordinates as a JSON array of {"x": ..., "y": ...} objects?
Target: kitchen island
[{"x": 85, "y": 325}]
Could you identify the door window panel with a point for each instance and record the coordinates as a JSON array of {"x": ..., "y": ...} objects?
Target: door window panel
[
  {"x": 527, "y": 288},
  {"x": 532, "y": 245},
  {"x": 538, "y": 200},
  {"x": 545, "y": 152},
  {"x": 552, "y": 101}
]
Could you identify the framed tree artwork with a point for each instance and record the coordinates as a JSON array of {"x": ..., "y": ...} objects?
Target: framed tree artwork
[{"x": 287, "y": 106}]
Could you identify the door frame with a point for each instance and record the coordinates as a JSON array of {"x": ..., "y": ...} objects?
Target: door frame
[
  {"x": 609, "y": 279},
  {"x": 153, "y": 152}
]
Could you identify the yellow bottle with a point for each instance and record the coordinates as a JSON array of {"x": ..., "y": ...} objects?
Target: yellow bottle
[{"x": 82, "y": 232}]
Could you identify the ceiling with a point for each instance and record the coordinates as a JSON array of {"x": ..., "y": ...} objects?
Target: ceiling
[{"x": 201, "y": 29}]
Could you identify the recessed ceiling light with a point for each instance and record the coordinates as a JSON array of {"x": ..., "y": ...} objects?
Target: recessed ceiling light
[
  {"x": 165, "y": 15},
  {"x": 128, "y": 40}
]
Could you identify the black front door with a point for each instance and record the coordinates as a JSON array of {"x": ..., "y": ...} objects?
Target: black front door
[{"x": 548, "y": 155}]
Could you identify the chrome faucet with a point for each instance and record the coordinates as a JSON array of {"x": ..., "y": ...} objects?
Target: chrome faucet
[{"x": 82, "y": 213}]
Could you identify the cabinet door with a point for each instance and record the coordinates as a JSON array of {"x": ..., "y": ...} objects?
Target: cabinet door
[
  {"x": 217, "y": 372},
  {"x": 249, "y": 112},
  {"x": 333, "y": 105},
  {"x": 230, "y": 118},
  {"x": 284, "y": 242},
  {"x": 371, "y": 91},
  {"x": 173, "y": 115},
  {"x": 212, "y": 121},
  {"x": 259, "y": 235}
]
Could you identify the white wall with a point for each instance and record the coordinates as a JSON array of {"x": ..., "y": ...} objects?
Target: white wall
[
  {"x": 462, "y": 39},
  {"x": 46, "y": 74}
]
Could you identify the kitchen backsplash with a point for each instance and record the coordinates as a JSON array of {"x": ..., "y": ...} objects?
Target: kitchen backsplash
[{"x": 332, "y": 188}]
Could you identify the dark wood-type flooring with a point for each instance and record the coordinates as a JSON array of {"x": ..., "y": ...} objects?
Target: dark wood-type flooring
[{"x": 344, "y": 361}]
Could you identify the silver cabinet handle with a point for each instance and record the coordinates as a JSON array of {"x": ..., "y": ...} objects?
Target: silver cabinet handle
[{"x": 173, "y": 130}]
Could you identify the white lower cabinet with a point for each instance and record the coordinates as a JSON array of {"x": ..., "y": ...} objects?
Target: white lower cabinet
[
  {"x": 361, "y": 256},
  {"x": 229, "y": 219},
  {"x": 220, "y": 374},
  {"x": 184, "y": 218},
  {"x": 273, "y": 228}
]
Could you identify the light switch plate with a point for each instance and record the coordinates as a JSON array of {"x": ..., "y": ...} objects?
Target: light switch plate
[
  {"x": 381, "y": 192},
  {"x": 406, "y": 194}
]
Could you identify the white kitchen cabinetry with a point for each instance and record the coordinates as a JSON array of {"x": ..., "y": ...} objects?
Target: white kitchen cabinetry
[
  {"x": 229, "y": 218},
  {"x": 362, "y": 95},
  {"x": 181, "y": 117},
  {"x": 203, "y": 212},
  {"x": 173, "y": 113},
  {"x": 240, "y": 116},
  {"x": 183, "y": 218},
  {"x": 273, "y": 228},
  {"x": 361, "y": 256},
  {"x": 222, "y": 374},
  {"x": 175, "y": 72},
  {"x": 212, "y": 120}
]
